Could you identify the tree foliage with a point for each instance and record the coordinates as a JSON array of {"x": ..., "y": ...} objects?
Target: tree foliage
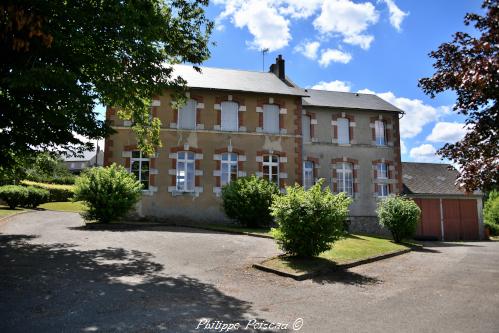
[
  {"x": 400, "y": 215},
  {"x": 491, "y": 212},
  {"x": 60, "y": 57},
  {"x": 469, "y": 65}
]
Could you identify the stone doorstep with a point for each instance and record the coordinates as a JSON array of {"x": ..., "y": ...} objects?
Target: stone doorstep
[{"x": 320, "y": 271}]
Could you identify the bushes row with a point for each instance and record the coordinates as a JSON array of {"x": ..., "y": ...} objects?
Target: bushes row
[
  {"x": 62, "y": 180},
  {"x": 491, "y": 212},
  {"x": 20, "y": 196},
  {"x": 57, "y": 192}
]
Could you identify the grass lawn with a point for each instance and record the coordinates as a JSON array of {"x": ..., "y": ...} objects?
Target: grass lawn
[
  {"x": 5, "y": 211},
  {"x": 68, "y": 206}
]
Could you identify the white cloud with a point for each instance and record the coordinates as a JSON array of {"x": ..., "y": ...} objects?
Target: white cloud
[
  {"x": 447, "y": 132},
  {"x": 334, "y": 55},
  {"x": 335, "y": 85},
  {"x": 308, "y": 49},
  {"x": 424, "y": 153},
  {"x": 348, "y": 19},
  {"x": 396, "y": 14},
  {"x": 403, "y": 147},
  {"x": 299, "y": 9}
]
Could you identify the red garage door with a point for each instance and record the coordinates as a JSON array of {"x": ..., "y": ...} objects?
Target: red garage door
[{"x": 429, "y": 226}]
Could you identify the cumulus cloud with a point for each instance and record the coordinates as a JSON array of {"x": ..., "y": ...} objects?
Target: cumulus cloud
[
  {"x": 334, "y": 55},
  {"x": 396, "y": 14},
  {"x": 308, "y": 49},
  {"x": 447, "y": 132},
  {"x": 335, "y": 85},
  {"x": 424, "y": 153},
  {"x": 299, "y": 9}
]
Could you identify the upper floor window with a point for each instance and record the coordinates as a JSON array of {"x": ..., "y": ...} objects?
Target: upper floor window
[
  {"x": 187, "y": 115},
  {"x": 379, "y": 130},
  {"x": 139, "y": 166},
  {"x": 382, "y": 170},
  {"x": 344, "y": 174},
  {"x": 185, "y": 171},
  {"x": 306, "y": 126},
  {"x": 308, "y": 174},
  {"x": 229, "y": 168},
  {"x": 230, "y": 120},
  {"x": 271, "y": 168},
  {"x": 271, "y": 118},
  {"x": 383, "y": 190},
  {"x": 343, "y": 130}
]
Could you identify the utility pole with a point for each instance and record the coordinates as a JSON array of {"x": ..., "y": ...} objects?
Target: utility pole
[{"x": 263, "y": 58}]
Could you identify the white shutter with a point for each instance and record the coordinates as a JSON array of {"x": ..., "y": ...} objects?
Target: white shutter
[
  {"x": 270, "y": 118},
  {"x": 306, "y": 128},
  {"x": 187, "y": 115},
  {"x": 229, "y": 116},
  {"x": 343, "y": 131}
]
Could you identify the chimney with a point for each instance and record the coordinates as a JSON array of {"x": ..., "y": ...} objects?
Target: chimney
[{"x": 278, "y": 68}]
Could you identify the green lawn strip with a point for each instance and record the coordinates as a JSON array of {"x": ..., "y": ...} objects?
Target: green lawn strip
[
  {"x": 6, "y": 211},
  {"x": 67, "y": 206}
]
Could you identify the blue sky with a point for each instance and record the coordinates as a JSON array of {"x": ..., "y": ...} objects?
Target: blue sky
[{"x": 378, "y": 46}]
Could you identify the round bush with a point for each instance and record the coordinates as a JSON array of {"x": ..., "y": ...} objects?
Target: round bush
[
  {"x": 309, "y": 221},
  {"x": 491, "y": 212},
  {"x": 13, "y": 195},
  {"x": 36, "y": 197},
  {"x": 248, "y": 201},
  {"x": 109, "y": 192},
  {"x": 400, "y": 215}
]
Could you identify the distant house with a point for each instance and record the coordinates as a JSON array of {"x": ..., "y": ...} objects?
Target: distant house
[
  {"x": 86, "y": 160},
  {"x": 447, "y": 212}
]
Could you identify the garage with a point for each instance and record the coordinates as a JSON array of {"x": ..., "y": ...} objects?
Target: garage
[{"x": 447, "y": 212}]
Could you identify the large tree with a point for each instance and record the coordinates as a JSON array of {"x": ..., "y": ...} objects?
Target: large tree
[
  {"x": 60, "y": 57},
  {"x": 469, "y": 66}
]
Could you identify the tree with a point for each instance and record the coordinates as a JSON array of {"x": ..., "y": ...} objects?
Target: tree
[
  {"x": 60, "y": 57},
  {"x": 469, "y": 65}
]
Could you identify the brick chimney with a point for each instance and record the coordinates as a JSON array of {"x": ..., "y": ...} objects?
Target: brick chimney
[{"x": 278, "y": 68}]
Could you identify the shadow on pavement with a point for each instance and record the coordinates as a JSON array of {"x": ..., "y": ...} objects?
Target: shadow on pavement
[
  {"x": 346, "y": 277},
  {"x": 58, "y": 287}
]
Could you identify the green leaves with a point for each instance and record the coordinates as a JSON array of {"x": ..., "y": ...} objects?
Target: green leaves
[{"x": 400, "y": 215}]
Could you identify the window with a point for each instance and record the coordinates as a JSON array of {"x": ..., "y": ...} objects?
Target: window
[
  {"x": 230, "y": 121},
  {"x": 185, "y": 171},
  {"x": 73, "y": 165},
  {"x": 382, "y": 170},
  {"x": 379, "y": 129},
  {"x": 308, "y": 174},
  {"x": 344, "y": 173},
  {"x": 139, "y": 166},
  {"x": 187, "y": 115},
  {"x": 383, "y": 190},
  {"x": 270, "y": 118},
  {"x": 343, "y": 131},
  {"x": 229, "y": 168},
  {"x": 271, "y": 168},
  {"x": 306, "y": 126}
]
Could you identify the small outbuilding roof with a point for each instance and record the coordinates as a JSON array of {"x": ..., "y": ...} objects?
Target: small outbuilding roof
[
  {"x": 337, "y": 99},
  {"x": 431, "y": 179},
  {"x": 235, "y": 80}
]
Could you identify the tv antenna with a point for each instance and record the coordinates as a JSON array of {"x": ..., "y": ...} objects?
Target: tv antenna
[{"x": 265, "y": 50}]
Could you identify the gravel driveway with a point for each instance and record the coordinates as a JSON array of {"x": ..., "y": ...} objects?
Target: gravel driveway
[{"x": 56, "y": 277}]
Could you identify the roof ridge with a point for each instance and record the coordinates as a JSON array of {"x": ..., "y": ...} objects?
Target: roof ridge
[{"x": 222, "y": 68}]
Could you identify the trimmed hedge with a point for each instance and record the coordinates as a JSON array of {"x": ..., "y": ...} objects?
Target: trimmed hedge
[
  {"x": 57, "y": 193},
  {"x": 14, "y": 195},
  {"x": 400, "y": 215},
  {"x": 36, "y": 197}
]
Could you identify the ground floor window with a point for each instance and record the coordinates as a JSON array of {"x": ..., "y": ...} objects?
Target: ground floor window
[
  {"x": 308, "y": 174},
  {"x": 229, "y": 168},
  {"x": 344, "y": 173},
  {"x": 383, "y": 190},
  {"x": 139, "y": 166},
  {"x": 185, "y": 171},
  {"x": 271, "y": 168}
]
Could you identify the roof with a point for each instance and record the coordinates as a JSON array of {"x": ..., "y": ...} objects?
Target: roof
[
  {"x": 430, "y": 178},
  {"x": 86, "y": 156},
  {"x": 337, "y": 99},
  {"x": 236, "y": 80}
]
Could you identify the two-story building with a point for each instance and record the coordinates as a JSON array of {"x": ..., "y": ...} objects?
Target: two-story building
[{"x": 238, "y": 123}]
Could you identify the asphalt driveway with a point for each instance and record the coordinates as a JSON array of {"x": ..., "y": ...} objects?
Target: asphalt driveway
[{"x": 56, "y": 277}]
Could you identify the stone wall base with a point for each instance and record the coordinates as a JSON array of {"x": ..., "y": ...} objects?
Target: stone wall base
[{"x": 366, "y": 225}]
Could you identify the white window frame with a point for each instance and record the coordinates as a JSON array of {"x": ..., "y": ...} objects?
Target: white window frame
[
  {"x": 308, "y": 174},
  {"x": 268, "y": 108},
  {"x": 380, "y": 132},
  {"x": 344, "y": 178},
  {"x": 383, "y": 190},
  {"x": 186, "y": 160},
  {"x": 267, "y": 161},
  {"x": 346, "y": 131},
  {"x": 229, "y": 163},
  {"x": 309, "y": 120},
  {"x": 382, "y": 170},
  {"x": 179, "y": 120},
  {"x": 141, "y": 159},
  {"x": 235, "y": 126}
]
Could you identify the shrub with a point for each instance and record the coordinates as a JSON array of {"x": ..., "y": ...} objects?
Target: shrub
[
  {"x": 400, "y": 215},
  {"x": 248, "y": 201},
  {"x": 13, "y": 195},
  {"x": 309, "y": 221},
  {"x": 57, "y": 193},
  {"x": 109, "y": 192},
  {"x": 36, "y": 196},
  {"x": 491, "y": 212}
]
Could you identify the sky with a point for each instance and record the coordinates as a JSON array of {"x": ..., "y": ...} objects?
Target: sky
[{"x": 377, "y": 46}]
